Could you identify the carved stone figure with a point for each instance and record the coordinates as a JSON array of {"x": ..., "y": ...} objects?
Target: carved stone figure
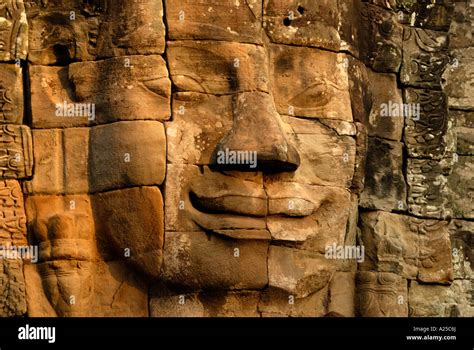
[
  {"x": 13, "y": 31},
  {"x": 12, "y": 233}
]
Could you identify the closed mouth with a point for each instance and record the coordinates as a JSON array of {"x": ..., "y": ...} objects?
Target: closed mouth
[{"x": 222, "y": 208}]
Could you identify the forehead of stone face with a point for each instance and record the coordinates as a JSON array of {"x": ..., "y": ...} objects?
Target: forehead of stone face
[{"x": 229, "y": 20}]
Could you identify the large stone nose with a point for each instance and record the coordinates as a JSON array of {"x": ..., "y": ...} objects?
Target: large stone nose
[{"x": 257, "y": 141}]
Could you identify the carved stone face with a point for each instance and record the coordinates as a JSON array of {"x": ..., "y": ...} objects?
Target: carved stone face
[
  {"x": 210, "y": 157},
  {"x": 256, "y": 186}
]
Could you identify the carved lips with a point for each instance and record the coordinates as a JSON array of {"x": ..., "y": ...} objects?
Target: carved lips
[{"x": 240, "y": 204}]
